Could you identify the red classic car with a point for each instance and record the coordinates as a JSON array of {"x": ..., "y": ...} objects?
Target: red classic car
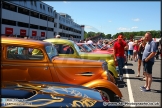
[{"x": 86, "y": 47}]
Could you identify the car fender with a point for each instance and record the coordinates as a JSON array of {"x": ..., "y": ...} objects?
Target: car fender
[
  {"x": 104, "y": 84},
  {"x": 113, "y": 70}
]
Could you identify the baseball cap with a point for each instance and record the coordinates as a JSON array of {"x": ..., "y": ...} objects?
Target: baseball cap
[{"x": 58, "y": 36}]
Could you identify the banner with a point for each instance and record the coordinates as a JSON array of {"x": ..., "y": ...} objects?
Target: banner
[{"x": 8, "y": 31}]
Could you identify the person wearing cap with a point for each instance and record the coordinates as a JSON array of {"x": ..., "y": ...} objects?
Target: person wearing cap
[
  {"x": 58, "y": 36},
  {"x": 119, "y": 51}
]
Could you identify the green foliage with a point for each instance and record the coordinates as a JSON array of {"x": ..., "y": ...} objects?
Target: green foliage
[{"x": 128, "y": 35}]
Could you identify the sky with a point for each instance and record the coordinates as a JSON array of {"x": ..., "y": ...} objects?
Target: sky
[{"x": 112, "y": 17}]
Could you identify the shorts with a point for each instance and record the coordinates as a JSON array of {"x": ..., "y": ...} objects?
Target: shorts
[
  {"x": 130, "y": 52},
  {"x": 147, "y": 67},
  {"x": 140, "y": 56},
  {"x": 134, "y": 51}
]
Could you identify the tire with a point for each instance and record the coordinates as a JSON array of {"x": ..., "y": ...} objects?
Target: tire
[{"x": 110, "y": 95}]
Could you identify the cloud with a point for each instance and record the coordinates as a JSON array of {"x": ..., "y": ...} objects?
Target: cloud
[
  {"x": 127, "y": 29},
  {"x": 109, "y": 21},
  {"x": 123, "y": 29},
  {"x": 87, "y": 27},
  {"x": 134, "y": 27},
  {"x": 136, "y": 19},
  {"x": 65, "y": 2}
]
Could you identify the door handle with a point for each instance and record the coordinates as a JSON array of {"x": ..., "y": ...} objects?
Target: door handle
[
  {"x": 86, "y": 74},
  {"x": 45, "y": 68}
]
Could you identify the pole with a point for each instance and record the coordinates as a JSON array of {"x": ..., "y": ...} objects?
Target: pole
[
  {"x": 29, "y": 25},
  {"x": 1, "y": 18},
  {"x": 47, "y": 28}
]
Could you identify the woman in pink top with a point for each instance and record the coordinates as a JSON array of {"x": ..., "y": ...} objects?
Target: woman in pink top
[{"x": 135, "y": 50}]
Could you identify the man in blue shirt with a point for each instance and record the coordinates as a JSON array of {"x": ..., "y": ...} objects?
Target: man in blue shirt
[{"x": 148, "y": 61}]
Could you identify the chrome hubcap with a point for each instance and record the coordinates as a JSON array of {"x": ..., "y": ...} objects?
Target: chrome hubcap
[{"x": 105, "y": 95}]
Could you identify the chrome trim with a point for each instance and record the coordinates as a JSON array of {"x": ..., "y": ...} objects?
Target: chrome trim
[
  {"x": 86, "y": 74},
  {"x": 105, "y": 68}
]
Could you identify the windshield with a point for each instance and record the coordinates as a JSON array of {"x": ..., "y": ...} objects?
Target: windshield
[
  {"x": 51, "y": 51},
  {"x": 77, "y": 48},
  {"x": 99, "y": 46},
  {"x": 92, "y": 46},
  {"x": 88, "y": 49}
]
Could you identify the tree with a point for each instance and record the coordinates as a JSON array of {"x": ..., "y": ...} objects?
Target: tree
[{"x": 108, "y": 36}]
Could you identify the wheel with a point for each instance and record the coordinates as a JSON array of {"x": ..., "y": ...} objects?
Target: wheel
[{"x": 108, "y": 94}]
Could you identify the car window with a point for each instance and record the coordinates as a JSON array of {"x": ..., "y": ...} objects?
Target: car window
[
  {"x": 90, "y": 45},
  {"x": 24, "y": 53},
  {"x": 64, "y": 49},
  {"x": 88, "y": 49},
  {"x": 51, "y": 51},
  {"x": 81, "y": 49}
]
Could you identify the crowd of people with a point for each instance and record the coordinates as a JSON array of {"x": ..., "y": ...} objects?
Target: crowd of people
[{"x": 145, "y": 51}]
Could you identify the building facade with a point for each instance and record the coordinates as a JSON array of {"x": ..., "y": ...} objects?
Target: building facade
[{"x": 38, "y": 20}]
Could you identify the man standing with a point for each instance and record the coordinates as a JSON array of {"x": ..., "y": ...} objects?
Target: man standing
[
  {"x": 119, "y": 47},
  {"x": 148, "y": 61},
  {"x": 130, "y": 50}
]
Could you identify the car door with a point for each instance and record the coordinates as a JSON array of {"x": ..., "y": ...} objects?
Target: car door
[{"x": 20, "y": 64}]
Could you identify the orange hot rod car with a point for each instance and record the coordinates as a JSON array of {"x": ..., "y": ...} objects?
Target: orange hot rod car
[{"x": 20, "y": 63}]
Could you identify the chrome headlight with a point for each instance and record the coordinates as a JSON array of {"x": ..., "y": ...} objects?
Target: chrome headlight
[{"x": 105, "y": 68}]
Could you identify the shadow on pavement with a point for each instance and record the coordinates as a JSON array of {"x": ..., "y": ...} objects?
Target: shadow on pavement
[
  {"x": 129, "y": 64},
  {"x": 138, "y": 78},
  {"x": 121, "y": 84},
  {"x": 156, "y": 91},
  {"x": 157, "y": 78},
  {"x": 130, "y": 71}
]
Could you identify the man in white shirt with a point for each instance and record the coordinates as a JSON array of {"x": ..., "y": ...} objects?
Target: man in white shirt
[
  {"x": 130, "y": 50},
  {"x": 90, "y": 41}
]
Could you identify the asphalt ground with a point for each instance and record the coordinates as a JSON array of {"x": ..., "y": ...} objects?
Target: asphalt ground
[{"x": 130, "y": 86}]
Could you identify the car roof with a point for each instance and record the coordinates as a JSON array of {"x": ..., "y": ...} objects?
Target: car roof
[
  {"x": 59, "y": 40},
  {"x": 22, "y": 41},
  {"x": 82, "y": 43}
]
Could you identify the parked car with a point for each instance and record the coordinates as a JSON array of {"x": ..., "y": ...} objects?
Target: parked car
[
  {"x": 67, "y": 48},
  {"x": 48, "y": 94},
  {"x": 32, "y": 60},
  {"x": 110, "y": 50}
]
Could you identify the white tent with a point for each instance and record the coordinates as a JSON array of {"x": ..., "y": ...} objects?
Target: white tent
[{"x": 156, "y": 39}]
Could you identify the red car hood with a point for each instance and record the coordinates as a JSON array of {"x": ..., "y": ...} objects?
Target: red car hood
[{"x": 103, "y": 51}]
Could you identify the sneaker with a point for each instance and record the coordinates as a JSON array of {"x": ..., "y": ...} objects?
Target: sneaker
[
  {"x": 121, "y": 78},
  {"x": 145, "y": 90},
  {"x": 142, "y": 87}
]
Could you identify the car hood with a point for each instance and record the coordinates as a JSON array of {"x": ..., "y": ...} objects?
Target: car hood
[
  {"x": 48, "y": 94},
  {"x": 56, "y": 89},
  {"x": 61, "y": 61},
  {"x": 96, "y": 56},
  {"x": 102, "y": 52}
]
